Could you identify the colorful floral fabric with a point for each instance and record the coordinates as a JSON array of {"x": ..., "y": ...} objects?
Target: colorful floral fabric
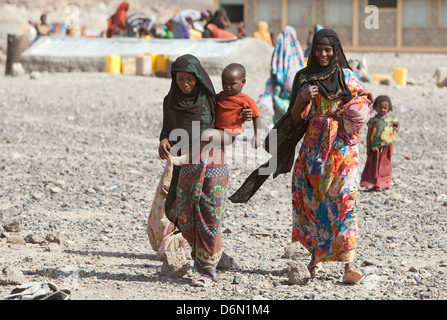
[
  {"x": 163, "y": 235},
  {"x": 200, "y": 206},
  {"x": 383, "y": 130},
  {"x": 325, "y": 177}
]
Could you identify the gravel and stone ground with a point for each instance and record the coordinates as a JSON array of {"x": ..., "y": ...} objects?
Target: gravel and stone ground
[{"x": 79, "y": 168}]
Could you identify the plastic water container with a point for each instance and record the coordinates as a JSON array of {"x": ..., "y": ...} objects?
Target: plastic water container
[
  {"x": 400, "y": 76},
  {"x": 144, "y": 65},
  {"x": 377, "y": 77},
  {"x": 112, "y": 64},
  {"x": 161, "y": 63},
  {"x": 128, "y": 66}
]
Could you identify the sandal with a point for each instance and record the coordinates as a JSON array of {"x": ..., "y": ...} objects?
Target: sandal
[
  {"x": 313, "y": 269},
  {"x": 351, "y": 276}
]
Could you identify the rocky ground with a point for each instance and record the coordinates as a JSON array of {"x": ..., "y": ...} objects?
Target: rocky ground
[{"x": 79, "y": 168}]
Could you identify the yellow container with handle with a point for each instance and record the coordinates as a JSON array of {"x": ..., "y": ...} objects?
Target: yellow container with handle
[
  {"x": 400, "y": 76},
  {"x": 154, "y": 59},
  {"x": 128, "y": 66},
  {"x": 378, "y": 77},
  {"x": 112, "y": 64},
  {"x": 161, "y": 63}
]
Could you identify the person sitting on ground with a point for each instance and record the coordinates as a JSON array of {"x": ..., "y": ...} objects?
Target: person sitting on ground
[{"x": 185, "y": 19}]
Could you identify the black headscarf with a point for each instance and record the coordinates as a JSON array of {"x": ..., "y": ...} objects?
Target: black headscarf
[
  {"x": 179, "y": 109},
  {"x": 331, "y": 84},
  {"x": 329, "y": 79}
]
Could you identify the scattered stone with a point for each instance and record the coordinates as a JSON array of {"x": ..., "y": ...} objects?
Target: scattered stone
[
  {"x": 17, "y": 69},
  {"x": 35, "y": 75},
  {"x": 175, "y": 264},
  {"x": 226, "y": 262},
  {"x": 237, "y": 279},
  {"x": 293, "y": 250},
  {"x": 55, "y": 190},
  {"x": 34, "y": 239},
  {"x": 298, "y": 273},
  {"x": 16, "y": 240},
  {"x": 11, "y": 276},
  {"x": 413, "y": 269},
  {"x": 55, "y": 238},
  {"x": 13, "y": 226}
]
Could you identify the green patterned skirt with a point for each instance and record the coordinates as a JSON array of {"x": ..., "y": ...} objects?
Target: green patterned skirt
[{"x": 200, "y": 206}]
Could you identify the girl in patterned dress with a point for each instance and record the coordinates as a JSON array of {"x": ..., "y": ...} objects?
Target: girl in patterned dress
[
  {"x": 379, "y": 146},
  {"x": 328, "y": 95}
]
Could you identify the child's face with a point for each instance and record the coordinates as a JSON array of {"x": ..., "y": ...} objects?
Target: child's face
[
  {"x": 232, "y": 82},
  {"x": 383, "y": 108},
  {"x": 186, "y": 82}
]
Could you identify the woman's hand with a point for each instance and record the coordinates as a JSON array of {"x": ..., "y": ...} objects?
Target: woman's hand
[
  {"x": 309, "y": 93},
  {"x": 163, "y": 149},
  {"x": 247, "y": 114},
  {"x": 333, "y": 114},
  {"x": 368, "y": 94}
]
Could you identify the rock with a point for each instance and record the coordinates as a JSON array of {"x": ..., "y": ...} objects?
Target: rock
[
  {"x": 55, "y": 190},
  {"x": 298, "y": 273},
  {"x": 293, "y": 250},
  {"x": 13, "y": 226},
  {"x": 11, "y": 276},
  {"x": 34, "y": 239},
  {"x": 17, "y": 70},
  {"x": 226, "y": 262},
  {"x": 16, "y": 240},
  {"x": 174, "y": 264},
  {"x": 35, "y": 75},
  {"x": 55, "y": 238},
  {"x": 237, "y": 279}
]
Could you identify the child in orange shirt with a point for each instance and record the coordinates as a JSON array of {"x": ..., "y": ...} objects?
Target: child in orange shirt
[{"x": 230, "y": 103}]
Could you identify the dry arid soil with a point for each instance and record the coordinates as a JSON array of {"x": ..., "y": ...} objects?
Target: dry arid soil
[{"x": 78, "y": 159}]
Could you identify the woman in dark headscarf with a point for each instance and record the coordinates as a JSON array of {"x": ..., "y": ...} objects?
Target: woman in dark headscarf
[
  {"x": 195, "y": 202},
  {"x": 325, "y": 176}
]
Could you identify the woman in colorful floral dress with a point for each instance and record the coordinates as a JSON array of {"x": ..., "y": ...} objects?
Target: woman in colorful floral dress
[{"x": 325, "y": 176}]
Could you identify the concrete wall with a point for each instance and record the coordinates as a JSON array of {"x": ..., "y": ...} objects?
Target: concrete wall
[{"x": 390, "y": 35}]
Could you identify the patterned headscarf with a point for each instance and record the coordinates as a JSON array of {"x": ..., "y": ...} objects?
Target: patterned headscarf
[
  {"x": 329, "y": 79},
  {"x": 288, "y": 58}
]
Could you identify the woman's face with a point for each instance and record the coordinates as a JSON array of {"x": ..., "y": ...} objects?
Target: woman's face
[
  {"x": 186, "y": 82},
  {"x": 324, "y": 54}
]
